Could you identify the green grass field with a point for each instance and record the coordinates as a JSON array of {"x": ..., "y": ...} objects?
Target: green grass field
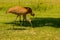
[{"x": 46, "y": 23}]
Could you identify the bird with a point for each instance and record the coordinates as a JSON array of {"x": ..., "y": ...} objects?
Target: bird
[{"x": 21, "y": 11}]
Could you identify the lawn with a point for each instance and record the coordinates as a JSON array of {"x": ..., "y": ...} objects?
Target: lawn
[{"x": 46, "y": 23}]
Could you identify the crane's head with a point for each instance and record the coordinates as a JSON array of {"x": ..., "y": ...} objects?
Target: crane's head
[{"x": 32, "y": 14}]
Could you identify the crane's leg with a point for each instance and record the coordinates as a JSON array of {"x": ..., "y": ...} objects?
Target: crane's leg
[
  {"x": 15, "y": 21},
  {"x": 24, "y": 17},
  {"x": 20, "y": 21}
]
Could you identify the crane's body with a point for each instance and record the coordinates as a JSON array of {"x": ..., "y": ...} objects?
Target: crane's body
[{"x": 18, "y": 10}]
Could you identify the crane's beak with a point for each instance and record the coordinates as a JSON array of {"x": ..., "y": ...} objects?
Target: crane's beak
[{"x": 33, "y": 15}]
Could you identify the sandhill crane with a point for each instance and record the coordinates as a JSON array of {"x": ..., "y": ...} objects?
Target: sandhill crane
[{"x": 18, "y": 10}]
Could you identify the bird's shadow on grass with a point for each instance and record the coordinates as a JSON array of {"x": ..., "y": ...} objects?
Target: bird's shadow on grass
[
  {"x": 39, "y": 22},
  {"x": 16, "y": 29}
]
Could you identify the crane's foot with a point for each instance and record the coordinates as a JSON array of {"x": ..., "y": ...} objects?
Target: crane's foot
[{"x": 20, "y": 23}]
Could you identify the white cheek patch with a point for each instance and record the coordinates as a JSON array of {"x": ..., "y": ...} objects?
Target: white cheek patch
[{"x": 28, "y": 19}]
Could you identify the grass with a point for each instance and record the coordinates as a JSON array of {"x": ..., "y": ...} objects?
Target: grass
[
  {"x": 40, "y": 33},
  {"x": 46, "y": 23}
]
